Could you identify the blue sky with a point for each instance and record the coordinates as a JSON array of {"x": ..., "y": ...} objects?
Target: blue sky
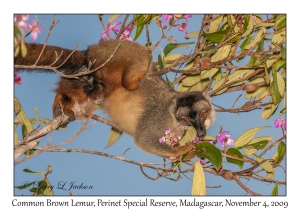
[{"x": 109, "y": 176}]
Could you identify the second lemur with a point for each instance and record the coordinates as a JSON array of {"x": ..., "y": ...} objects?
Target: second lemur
[{"x": 141, "y": 105}]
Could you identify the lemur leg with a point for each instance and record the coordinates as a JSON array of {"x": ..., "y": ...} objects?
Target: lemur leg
[{"x": 131, "y": 78}]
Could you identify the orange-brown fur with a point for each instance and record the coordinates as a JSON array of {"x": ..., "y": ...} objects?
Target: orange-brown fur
[{"x": 125, "y": 69}]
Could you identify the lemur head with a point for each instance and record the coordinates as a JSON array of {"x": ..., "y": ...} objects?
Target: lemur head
[{"x": 192, "y": 109}]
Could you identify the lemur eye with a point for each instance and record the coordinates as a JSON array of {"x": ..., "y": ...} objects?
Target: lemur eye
[
  {"x": 185, "y": 120},
  {"x": 203, "y": 114}
]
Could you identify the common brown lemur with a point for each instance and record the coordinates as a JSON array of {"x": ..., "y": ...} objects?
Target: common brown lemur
[{"x": 140, "y": 104}]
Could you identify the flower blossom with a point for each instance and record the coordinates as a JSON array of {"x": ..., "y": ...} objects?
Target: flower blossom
[
  {"x": 183, "y": 27},
  {"x": 125, "y": 35},
  {"x": 223, "y": 138},
  {"x": 202, "y": 161},
  {"x": 280, "y": 123},
  {"x": 169, "y": 137},
  {"x": 168, "y": 17},
  {"x": 111, "y": 27},
  {"x": 19, "y": 20},
  {"x": 35, "y": 30},
  {"x": 17, "y": 78}
]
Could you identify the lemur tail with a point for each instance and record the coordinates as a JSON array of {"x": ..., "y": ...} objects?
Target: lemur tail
[{"x": 51, "y": 56}]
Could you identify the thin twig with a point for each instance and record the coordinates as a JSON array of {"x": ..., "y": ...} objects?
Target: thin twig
[{"x": 46, "y": 41}]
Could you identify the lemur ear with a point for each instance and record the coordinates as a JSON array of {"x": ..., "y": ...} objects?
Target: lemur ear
[
  {"x": 173, "y": 106},
  {"x": 206, "y": 95}
]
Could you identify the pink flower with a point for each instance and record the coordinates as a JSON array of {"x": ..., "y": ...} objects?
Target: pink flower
[
  {"x": 166, "y": 17},
  {"x": 196, "y": 140},
  {"x": 19, "y": 20},
  {"x": 35, "y": 30},
  {"x": 223, "y": 138},
  {"x": 167, "y": 131},
  {"x": 280, "y": 123},
  {"x": 17, "y": 78},
  {"x": 187, "y": 16},
  {"x": 182, "y": 27},
  {"x": 162, "y": 140},
  {"x": 202, "y": 161},
  {"x": 111, "y": 27},
  {"x": 125, "y": 35}
]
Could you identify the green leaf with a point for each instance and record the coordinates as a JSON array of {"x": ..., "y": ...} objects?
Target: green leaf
[
  {"x": 219, "y": 84},
  {"x": 191, "y": 79},
  {"x": 247, "y": 136},
  {"x": 283, "y": 110},
  {"x": 16, "y": 31},
  {"x": 266, "y": 165},
  {"x": 171, "y": 57},
  {"x": 22, "y": 118},
  {"x": 138, "y": 31},
  {"x": 36, "y": 111},
  {"x": 278, "y": 38},
  {"x": 258, "y": 145},
  {"x": 199, "y": 183},
  {"x": 248, "y": 26},
  {"x": 169, "y": 82},
  {"x": 214, "y": 25},
  {"x": 265, "y": 24},
  {"x": 283, "y": 52},
  {"x": 143, "y": 19},
  {"x": 182, "y": 88},
  {"x": 249, "y": 151},
  {"x": 42, "y": 185},
  {"x": 209, "y": 73},
  {"x": 255, "y": 93},
  {"x": 49, "y": 189},
  {"x": 270, "y": 176},
  {"x": 216, "y": 37},
  {"x": 280, "y": 22},
  {"x": 277, "y": 88},
  {"x": 268, "y": 111},
  {"x": 23, "y": 48},
  {"x": 279, "y": 64},
  {"x": 239, "y": 74},
  {"x": 245, "y": 43},
  {"x": 17, "y": 48},
  {"x": 235, "y": 153},
  {"x": 257, "y": 38},
  {"x": 193, "y": 34},
  {"x": 114, "y": 136},
  {"x": 281, "y": 149},
  {"x": 113, "y": 18},
  {"x": 24, "y": 186},
  {"x": 172, "y": 46},
  {"x": 221, "y": 53},
  {"x": 29, "y": 171},
  {"x": 259, "y": 139},
  {"x": 275, "y": 190},
  {"x": 200, "y": 86},
  {"x": 189, "y": 135},
  {"x": 208, "y": 137},
  {"x": 16, "y": 138},
  {"x": 161, "y": 62},
  {"x": 210, "y": 152}
]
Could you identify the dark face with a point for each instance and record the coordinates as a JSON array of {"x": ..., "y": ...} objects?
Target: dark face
[{"x": 194, "y": 109}]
